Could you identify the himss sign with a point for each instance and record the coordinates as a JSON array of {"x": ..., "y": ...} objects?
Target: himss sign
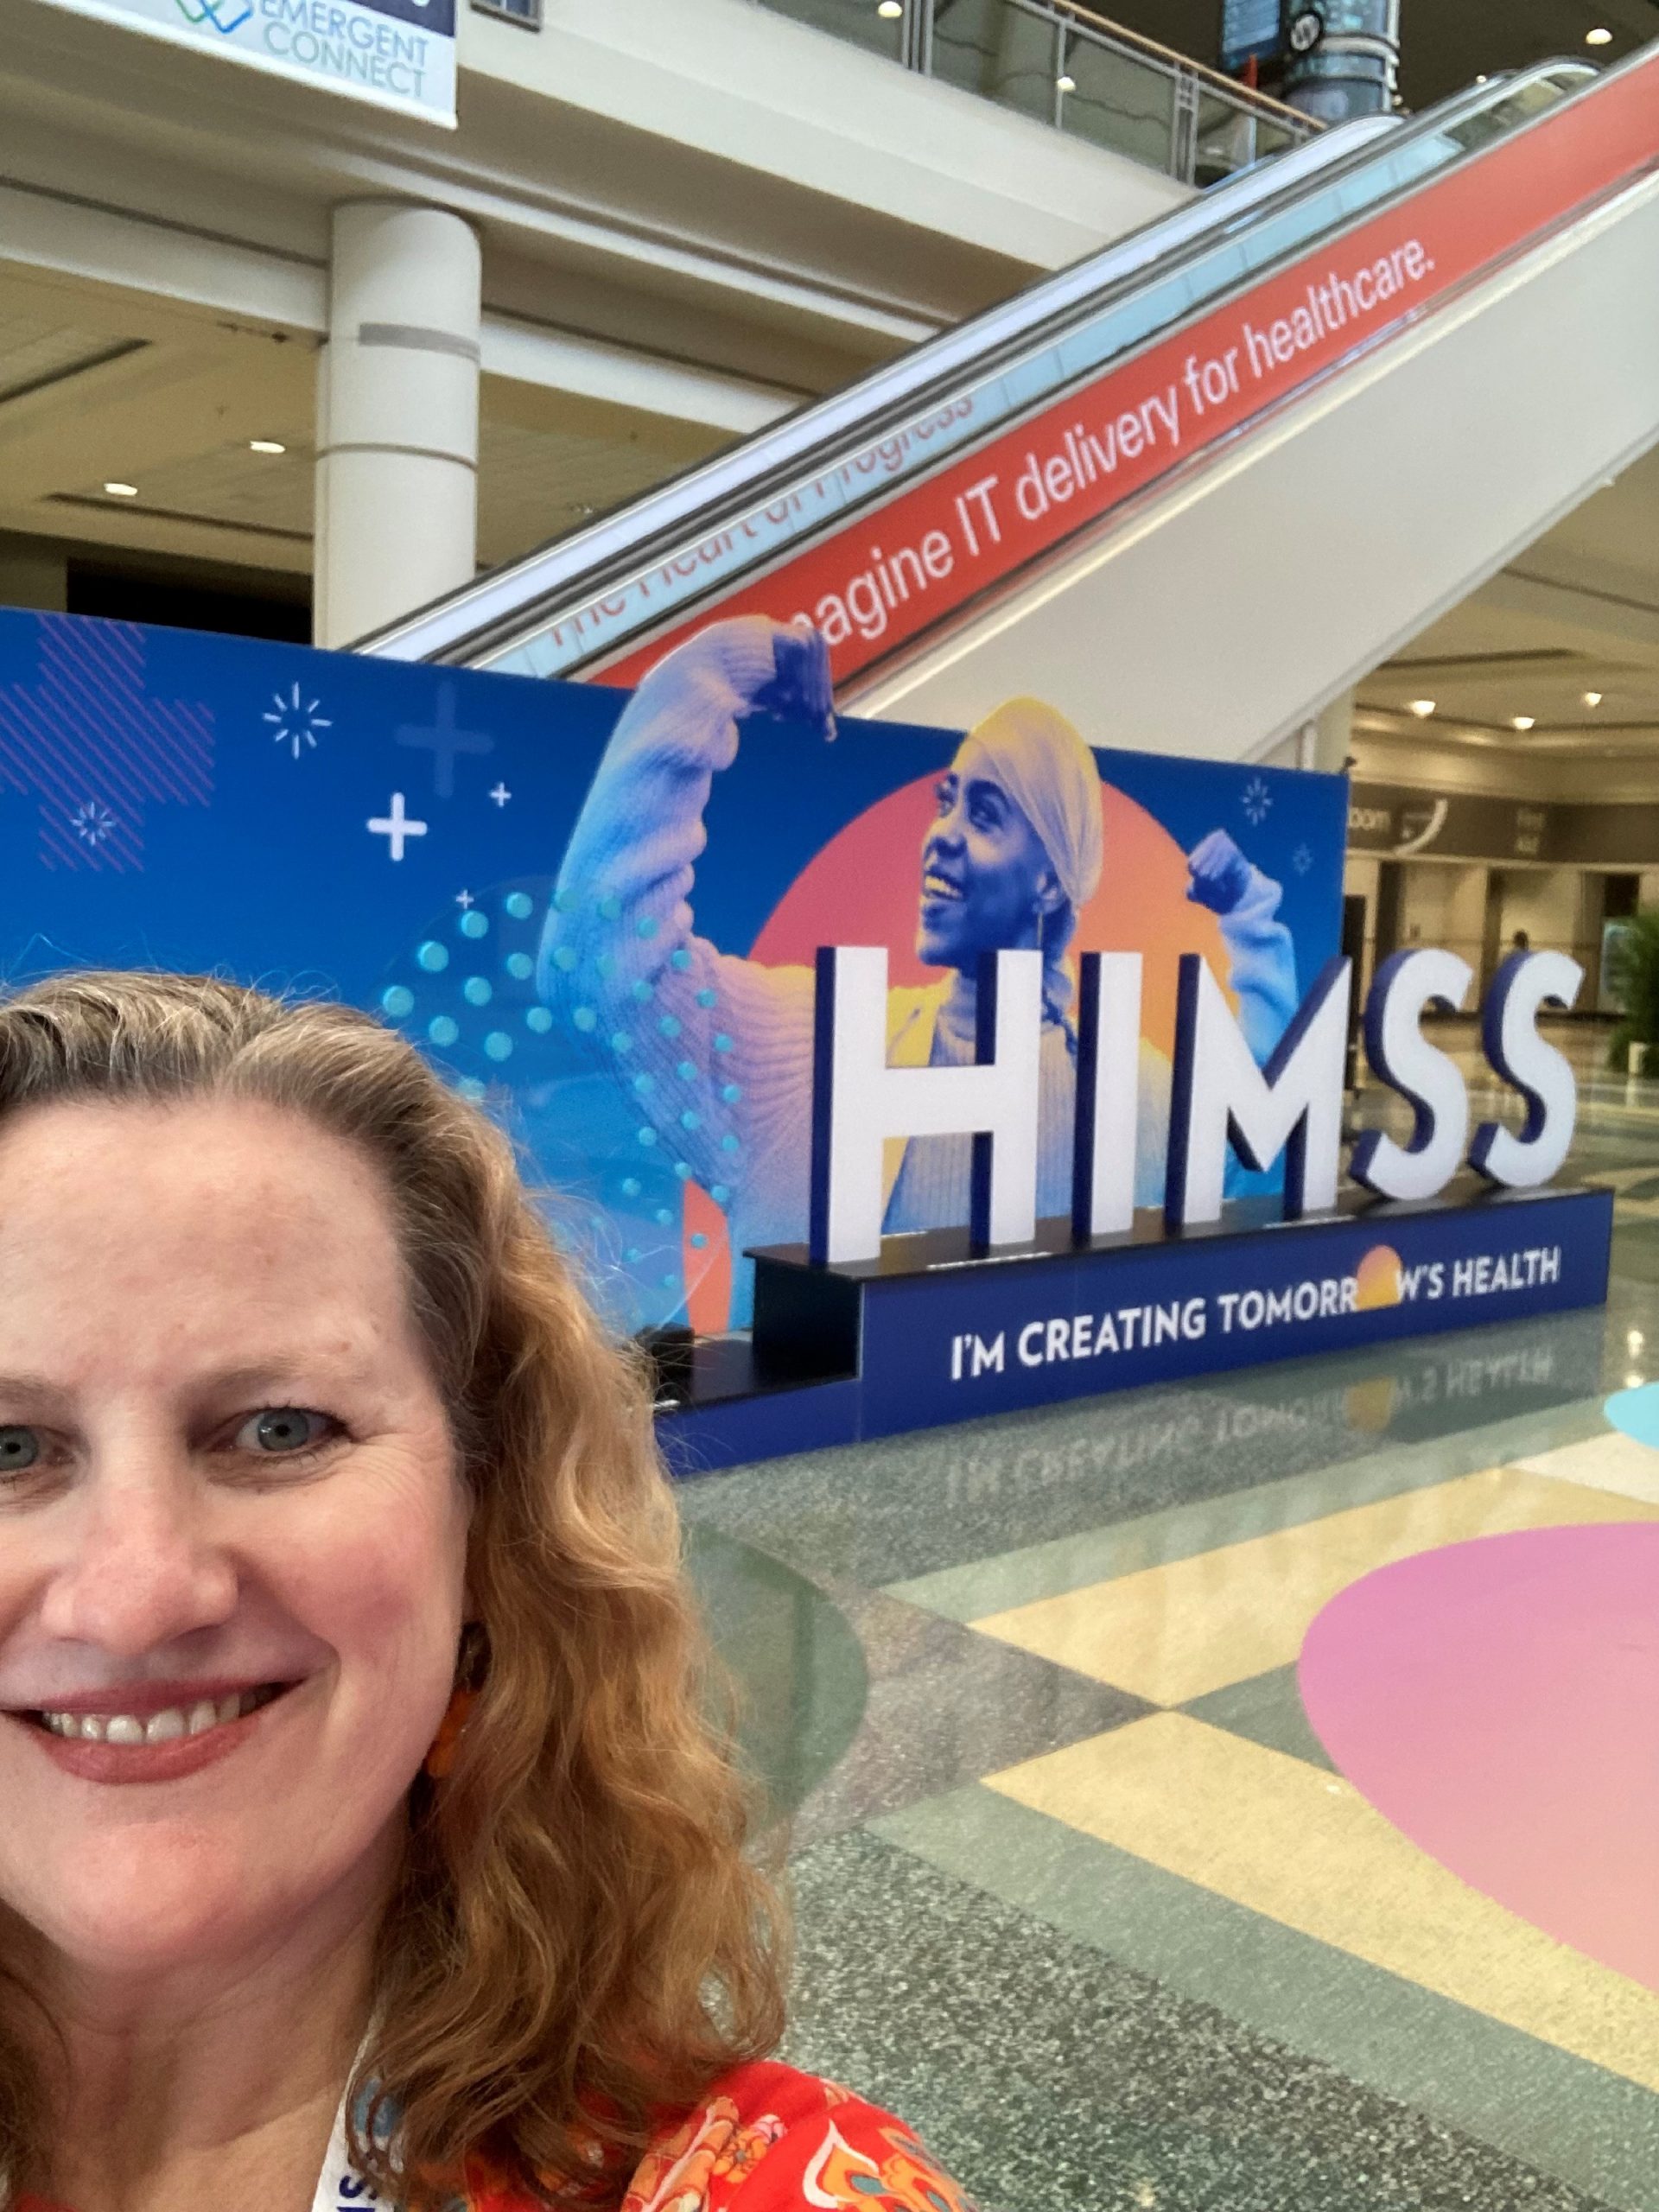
[
  {"x": 1449, "y": 1226},
  {"x": 1221, "y": 1102}
]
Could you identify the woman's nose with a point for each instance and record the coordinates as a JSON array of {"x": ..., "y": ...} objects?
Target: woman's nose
[{"x": 141, "y": 1568}]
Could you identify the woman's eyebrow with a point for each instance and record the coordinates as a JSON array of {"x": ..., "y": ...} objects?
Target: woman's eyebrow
[
  {"x": 276, "y": 1373},
  {"x": 981, "y": 787},
  {"x": 30, "y": 1386}
]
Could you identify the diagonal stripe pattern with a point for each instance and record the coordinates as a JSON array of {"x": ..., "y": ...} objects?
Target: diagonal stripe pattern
[{"x": 94, "y": 748}]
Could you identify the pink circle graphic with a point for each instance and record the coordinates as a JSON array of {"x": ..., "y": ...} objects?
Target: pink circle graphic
[{"x": 1497, "y": 1701}]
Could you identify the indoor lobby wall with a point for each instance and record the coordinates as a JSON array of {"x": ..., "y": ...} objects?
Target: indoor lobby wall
[
  {"x": 1445, "y": 904},
  {"x": 1553, "y": 906}
]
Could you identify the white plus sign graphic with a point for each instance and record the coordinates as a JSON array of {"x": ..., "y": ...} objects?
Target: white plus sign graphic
[
  {"x": 395, "y": 826},
  {"x": 500, "y": 794},
  {"x": 464, "y": 899}
]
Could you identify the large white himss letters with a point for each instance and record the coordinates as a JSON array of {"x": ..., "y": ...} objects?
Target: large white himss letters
[
  {"x": 1221, "y": 1102},
  {"x": 1431, "y": 1084},
  {"x": 1221, "y": 1099},
  {"x": 1537, "y": 1071},
  {"x": 859, "y": 1102}
]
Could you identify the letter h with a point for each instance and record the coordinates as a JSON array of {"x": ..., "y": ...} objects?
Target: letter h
[{"x": 859, "y": 1102}]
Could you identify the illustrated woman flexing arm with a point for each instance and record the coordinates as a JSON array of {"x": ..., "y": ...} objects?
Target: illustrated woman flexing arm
[{"x": 715, "y": 1052}]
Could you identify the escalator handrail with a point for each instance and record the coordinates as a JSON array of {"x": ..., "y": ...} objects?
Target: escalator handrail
[{"x": 483, "y": 619}]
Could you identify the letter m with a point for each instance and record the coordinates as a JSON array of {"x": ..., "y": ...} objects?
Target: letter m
[{"x": 1220, "y": 1098}]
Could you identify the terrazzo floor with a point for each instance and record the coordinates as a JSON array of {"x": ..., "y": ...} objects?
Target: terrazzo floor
[{"x": 1079, "y": 1889}]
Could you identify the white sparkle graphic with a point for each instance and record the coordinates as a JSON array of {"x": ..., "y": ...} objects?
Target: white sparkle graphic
[
  {"x": 465, "y": 898},
  {"x": 295, "y": 721},
  {"x": 500, "y": 794},
  {"x": 1255, "y": 801},
  {"x": 395, "y": 826},
  {"x": 91, "y": 823}
]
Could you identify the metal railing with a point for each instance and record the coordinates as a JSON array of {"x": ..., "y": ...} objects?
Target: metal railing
[{"x": 1061, "y": 64}]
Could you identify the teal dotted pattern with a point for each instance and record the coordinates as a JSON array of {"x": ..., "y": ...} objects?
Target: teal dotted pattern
[{"x": 512, "y": 998}]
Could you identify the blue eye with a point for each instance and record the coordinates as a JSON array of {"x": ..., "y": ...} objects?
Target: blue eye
[
  {"x": 281, "y": 1431},
  {"x": 20, "y": 1448}
]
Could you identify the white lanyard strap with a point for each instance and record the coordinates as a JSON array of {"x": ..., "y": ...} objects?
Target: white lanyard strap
[{"x": 339, "y": 2188}]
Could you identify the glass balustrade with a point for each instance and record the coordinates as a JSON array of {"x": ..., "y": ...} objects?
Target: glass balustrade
[{"x": 1048, "y": 60}]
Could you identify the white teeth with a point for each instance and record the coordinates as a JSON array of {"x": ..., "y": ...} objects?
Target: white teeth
[{"x": 162, "y": 1727}]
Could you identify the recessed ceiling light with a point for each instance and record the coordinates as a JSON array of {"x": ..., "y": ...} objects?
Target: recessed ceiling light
[
  {"x": 1599, "y": 36},
  {"x": 891, "y": 9},
  {"x": 1592, "y": 698},
  {"x": 266, "y": 445},
  {"x": 1067, "y": 84},
  {"x": 122, "y": 491},
  {"x": 1522, "y": 721},
  {"x": 1422, "y": 708}
]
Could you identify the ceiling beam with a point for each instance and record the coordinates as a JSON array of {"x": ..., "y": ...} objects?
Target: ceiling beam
[{"x": 148, "y": 279}]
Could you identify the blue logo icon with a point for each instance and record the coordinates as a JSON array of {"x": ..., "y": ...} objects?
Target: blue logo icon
[{"x": 216, "y": 12}]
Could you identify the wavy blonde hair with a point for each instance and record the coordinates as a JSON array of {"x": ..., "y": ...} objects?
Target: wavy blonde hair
[{"x": 578, "y": 1943}]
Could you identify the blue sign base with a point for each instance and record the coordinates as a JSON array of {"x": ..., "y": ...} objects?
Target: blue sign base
[{"x": 931, "y": 1332}]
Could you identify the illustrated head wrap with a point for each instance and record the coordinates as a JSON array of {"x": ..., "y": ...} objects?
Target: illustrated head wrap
[
  {"x": 1048, "y": 771},
  {"x": 1051, "y": 776}
]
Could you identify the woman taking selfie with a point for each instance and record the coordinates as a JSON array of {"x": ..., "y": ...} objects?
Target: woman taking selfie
[{"x": 361, "y": 1839}]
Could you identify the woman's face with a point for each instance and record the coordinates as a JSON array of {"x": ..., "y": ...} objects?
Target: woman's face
[
  {"x": 986, "y": 880},
  {"x": 232, "y": 1534}
]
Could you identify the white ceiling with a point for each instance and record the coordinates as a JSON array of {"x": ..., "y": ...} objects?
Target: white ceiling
[
  {"x": 96, "y": 389},
  {"x": 1577, "y": 613}
]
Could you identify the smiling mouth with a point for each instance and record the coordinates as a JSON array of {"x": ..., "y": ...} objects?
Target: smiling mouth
[
  {"x": 174, "y": 1722},
  {"x": 935, "y": 886}
]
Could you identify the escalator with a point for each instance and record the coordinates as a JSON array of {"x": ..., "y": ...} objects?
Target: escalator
[{"x": 1193, "y": 487}]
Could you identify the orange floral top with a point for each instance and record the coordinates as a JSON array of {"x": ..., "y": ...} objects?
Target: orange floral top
[
  {"x": 769, "y": 2139},
  {"x": 772, "y": 2140}
]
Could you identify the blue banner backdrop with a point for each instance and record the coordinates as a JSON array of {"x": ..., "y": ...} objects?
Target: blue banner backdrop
[{"x": 399, "y": 837}]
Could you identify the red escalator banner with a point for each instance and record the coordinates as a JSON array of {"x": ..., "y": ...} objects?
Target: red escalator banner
[{"x": 891, "y": 572}]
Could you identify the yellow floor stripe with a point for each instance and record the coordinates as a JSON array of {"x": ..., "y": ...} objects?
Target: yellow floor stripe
[
  {"x": 1289, "y": 1841},
  {"x": 1176, "y": 1632},
  {"x": 1612, "y": 1462}
]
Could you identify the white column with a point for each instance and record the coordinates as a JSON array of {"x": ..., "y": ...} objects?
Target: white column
[
  {"x": 1324, "y": 742},
  {"x": 396, "y": 490}
]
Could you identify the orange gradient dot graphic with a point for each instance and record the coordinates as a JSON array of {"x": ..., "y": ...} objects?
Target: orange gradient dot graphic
[
  {"x": 1369, "y": 1406},
  {"x": 863, "y": 889},
  {"x": 1378, "y": 1277}
]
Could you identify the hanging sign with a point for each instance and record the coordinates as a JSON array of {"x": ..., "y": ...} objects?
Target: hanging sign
[
  {"x": 1249, "y": 32},
  {"x": 394, "y": 53}
]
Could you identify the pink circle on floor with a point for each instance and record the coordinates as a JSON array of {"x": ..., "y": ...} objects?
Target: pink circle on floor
[{"x": 1497, "y": 1701}]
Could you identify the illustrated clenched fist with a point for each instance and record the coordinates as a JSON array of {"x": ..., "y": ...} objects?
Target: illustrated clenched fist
[{"x": 1220, "y": 875}]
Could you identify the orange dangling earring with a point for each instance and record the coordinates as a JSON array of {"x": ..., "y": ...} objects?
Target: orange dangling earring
[{"x": 457, "y": 1712}]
